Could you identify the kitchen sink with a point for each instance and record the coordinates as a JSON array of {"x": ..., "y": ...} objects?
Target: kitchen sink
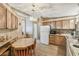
[{"x": 76, "y": 45}]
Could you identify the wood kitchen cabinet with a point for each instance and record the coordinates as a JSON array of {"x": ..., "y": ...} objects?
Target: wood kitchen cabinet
[
  {"x": 51, "y": 39},
  {"x": 57, "y": 40},
  {"x": 72, "y": 24},
  {"x": 9, "y": 20},
  {"x": 13, "y": 21},
  {"x": 66, "y": 24},
  {"x": 60, "y": 40},
  {"x": 2, "y": 17},
  {"x": 53, "y": 25},
  {"x": 58, "y": 24},
  {"x": 16, "y": 22},
  {"x": 63, "y": 24}
]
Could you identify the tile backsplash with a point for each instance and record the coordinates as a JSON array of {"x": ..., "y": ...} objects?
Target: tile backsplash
[
  {"x": 10, "y": 34},
  {"x": 77, "y": 34}
]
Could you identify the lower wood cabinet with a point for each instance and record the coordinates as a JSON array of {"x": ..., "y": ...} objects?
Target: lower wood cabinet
[
  {"x": 60, "y": 40},
  {"x": 6, "y": 53},
  {"x": 51, "y": 39},
  {"x": 57, "y": 40},
  {"x": 4, "y": 50}
]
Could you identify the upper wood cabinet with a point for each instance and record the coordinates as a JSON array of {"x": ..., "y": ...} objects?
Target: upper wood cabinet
[
  {"x": 13, "y": 21},
  {"x": 2, "y": 17},
  {"x": 69, "y": 24},
  {"x": 63, "y": 23},
  {"x": 66, "y": 24},
  {"x": 58, "y": 24},
  {"x": 53, "y": 25},
  {"x": 8, "y": 18},
  {"x": 16, "y": 22},
  {"x": 72, "y": 24}
]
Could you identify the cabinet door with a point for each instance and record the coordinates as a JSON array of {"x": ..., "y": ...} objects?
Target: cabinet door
[
  {"x": 59, "y": 40},
  {"x": 13, "y": 21},
  {"x": 51, "y": 39},
  {"x": 9, "y": 22},
  {"x": 58, "y": 24},
  {"x": 66, "y": 24},
  {"x": 53, "y": 26},
  {"x": 2, "y": 17},
  {"x": 72, "y": 24},
  {"x": 16, "y": 22}
]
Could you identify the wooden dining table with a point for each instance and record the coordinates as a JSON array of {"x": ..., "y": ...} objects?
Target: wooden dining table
[
  {"x": 24, "y": 47},
  {"x": 22, "y": 43}
]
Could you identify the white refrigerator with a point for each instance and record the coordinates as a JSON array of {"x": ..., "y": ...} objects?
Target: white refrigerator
[{"x": 44, "y": 34}]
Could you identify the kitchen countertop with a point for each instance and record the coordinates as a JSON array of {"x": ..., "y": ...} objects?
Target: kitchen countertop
[
  {"x": 71, "y": 40},
  {"x": 5, "y": 42},
  {"x": 6, "y": 30}
]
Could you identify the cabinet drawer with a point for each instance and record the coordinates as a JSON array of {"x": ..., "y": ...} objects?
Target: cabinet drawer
[{"x": 51, "y": 40}]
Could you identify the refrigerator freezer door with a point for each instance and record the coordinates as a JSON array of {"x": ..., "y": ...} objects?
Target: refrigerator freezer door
[{"x": 45, "y": 28}]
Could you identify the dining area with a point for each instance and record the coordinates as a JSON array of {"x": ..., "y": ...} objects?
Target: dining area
[
  {"x": 19, "y": 46},
  {"x": 23, "y": 47}
]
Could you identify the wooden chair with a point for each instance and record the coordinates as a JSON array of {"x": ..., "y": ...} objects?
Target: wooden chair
[
  {"x": 34, "y": 46},
  {"x": 21, "y": 51},
  {"x": 31, "y": 49}
]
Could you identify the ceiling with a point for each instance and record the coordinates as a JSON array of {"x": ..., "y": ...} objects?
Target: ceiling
[{"x": 47, "y": 9}]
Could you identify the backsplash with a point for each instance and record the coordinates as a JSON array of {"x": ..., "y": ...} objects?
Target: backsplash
[
  {"x": 77, "y": 34},
  {"x": 10, "y": 34},
  {"x": 62, "y": 31}
]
